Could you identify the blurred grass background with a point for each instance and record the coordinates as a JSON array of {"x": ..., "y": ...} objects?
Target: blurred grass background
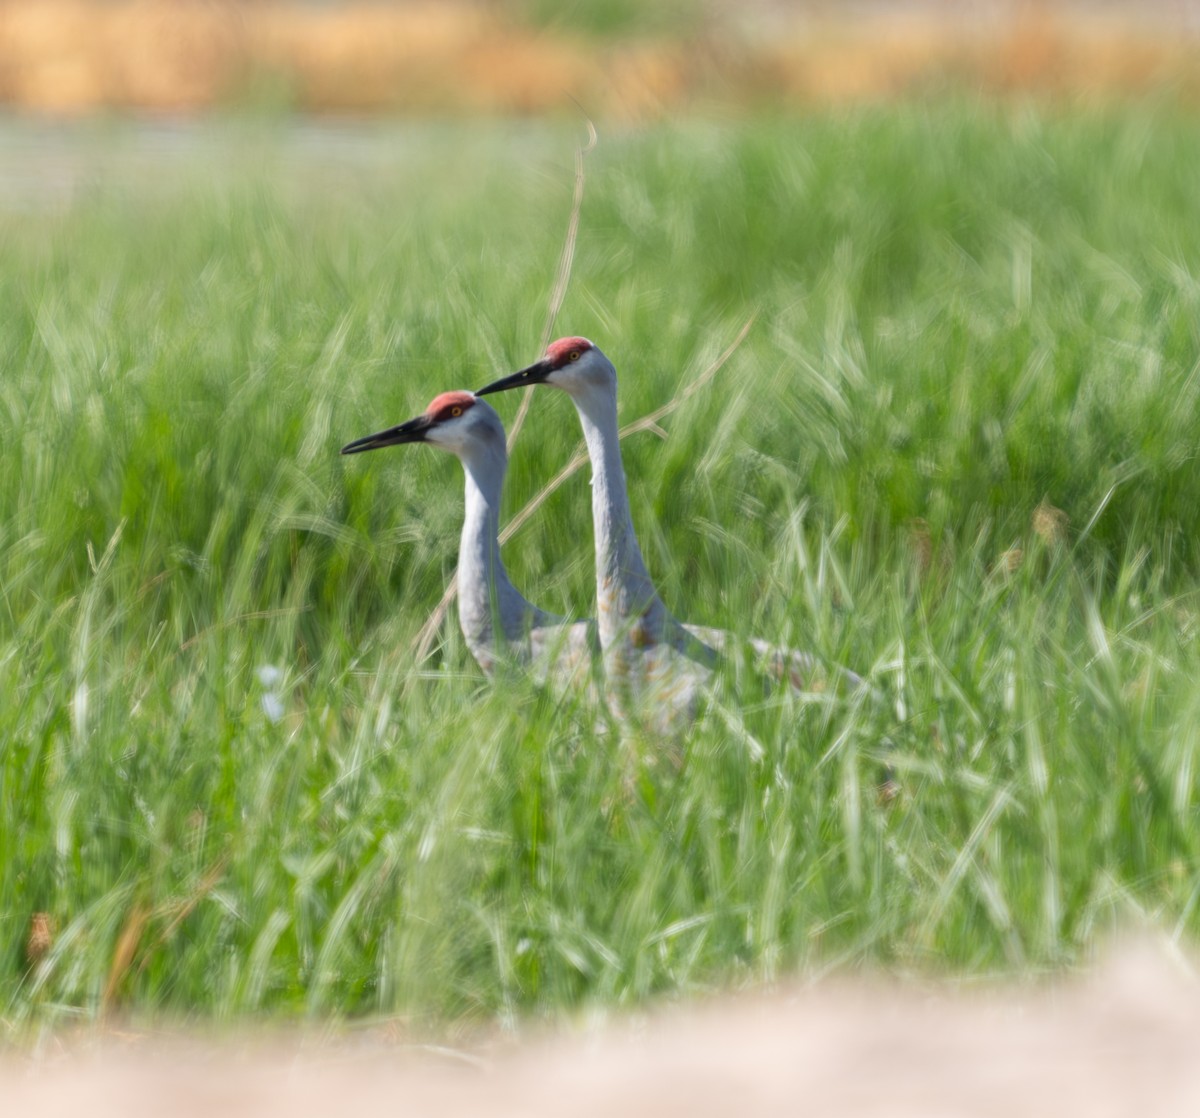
[{"x": 957, "y": 451}]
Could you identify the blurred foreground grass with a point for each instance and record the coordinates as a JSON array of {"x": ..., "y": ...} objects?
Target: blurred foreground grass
[{"x": 957, "y": 451}]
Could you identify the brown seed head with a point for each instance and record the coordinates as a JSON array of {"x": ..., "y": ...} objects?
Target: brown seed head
[
  {"x": 1050, "y": 524},
  {"x": 41, "y": 936}
]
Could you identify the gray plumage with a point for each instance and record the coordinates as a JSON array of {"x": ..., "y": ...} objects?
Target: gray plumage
[
  {"x": 656, "y": 668},
  {"x": 497, "y": 621}
]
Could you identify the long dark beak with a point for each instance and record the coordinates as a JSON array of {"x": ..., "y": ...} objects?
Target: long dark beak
[
  {"x": 413, "y": 431},
  {"x": 533, "y": 374}
]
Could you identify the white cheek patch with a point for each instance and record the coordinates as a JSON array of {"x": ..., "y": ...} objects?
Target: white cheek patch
[{"x": 455, "y": 433}]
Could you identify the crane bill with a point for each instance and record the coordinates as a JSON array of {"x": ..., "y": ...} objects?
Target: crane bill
[
  {"x": 412, "y": 431},
  {"x": 531, "y": 374}
]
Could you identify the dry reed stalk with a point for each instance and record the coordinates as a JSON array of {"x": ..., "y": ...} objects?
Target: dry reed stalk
[
  {"x": 645, "y": 423},
  {"x": 180, "y": 910},
  {"x": 424, "y": 641},
  {"x": 563, "y": 275},
  {"x": 254, "y": 615},
  {"x": 123, "y": 956}
]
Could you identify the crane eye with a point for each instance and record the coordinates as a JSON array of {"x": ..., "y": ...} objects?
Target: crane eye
[
  {"x": 574, "y": 355},
  {"x": 455, "y": 411}
]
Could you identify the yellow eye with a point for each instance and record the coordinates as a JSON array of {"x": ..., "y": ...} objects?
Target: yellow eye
[
  {"x": 456, "y": 411},
  {"x": 573, "y": 355}
]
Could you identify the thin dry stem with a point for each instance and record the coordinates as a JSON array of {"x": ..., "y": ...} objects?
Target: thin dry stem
[
  {"x": 563, "y": 277},
  {"x": 255, "y": 615},
  {"x": 424, "y": 641},
  {"x": 646, "y": 423},
  {"x": 650, "y": 422},
  {"x": 180, "y": 910},
  {"x": 126, "y": 949}
]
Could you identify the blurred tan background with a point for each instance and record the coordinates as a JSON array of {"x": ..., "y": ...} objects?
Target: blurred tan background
[{"x": 618, "y": 58}]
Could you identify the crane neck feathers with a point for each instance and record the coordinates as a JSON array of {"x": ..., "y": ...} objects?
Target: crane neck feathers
[
  {"x": 487, "y": 597},
  {"x": 625, "y": 592}
]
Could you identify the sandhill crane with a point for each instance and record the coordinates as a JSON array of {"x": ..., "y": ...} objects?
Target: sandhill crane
[
  {"x": 496, "y": 620},
  {"x": 488, "y": 603},
  {"x": 655, "y": 667}
]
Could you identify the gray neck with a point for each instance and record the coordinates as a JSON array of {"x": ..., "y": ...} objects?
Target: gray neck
[
  {"x": 486, "y": 597},
  {"x": 624, "y": 591}
]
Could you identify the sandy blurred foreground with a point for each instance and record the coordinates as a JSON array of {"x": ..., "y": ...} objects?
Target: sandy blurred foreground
[
  {"x": 70, "y": 56},
  {"x": 1125, "y": 1041}
]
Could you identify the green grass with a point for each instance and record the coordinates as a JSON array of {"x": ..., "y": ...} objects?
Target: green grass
[
  {"x": 962, "y": 311},
  {"x": 601, "y": 19}
]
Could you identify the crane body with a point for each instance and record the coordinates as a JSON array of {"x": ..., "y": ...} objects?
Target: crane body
[
  {"x": 497, "y": 621},
  {"x": 656, "y": 668}
]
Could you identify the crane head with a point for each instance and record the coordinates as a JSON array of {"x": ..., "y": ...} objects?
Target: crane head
[
  {"x": 452, "y": 420},
  {"x": 570, "y": 363}
]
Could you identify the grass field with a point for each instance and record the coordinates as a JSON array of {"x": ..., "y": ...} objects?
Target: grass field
[{"x": 956, "y": 451}]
